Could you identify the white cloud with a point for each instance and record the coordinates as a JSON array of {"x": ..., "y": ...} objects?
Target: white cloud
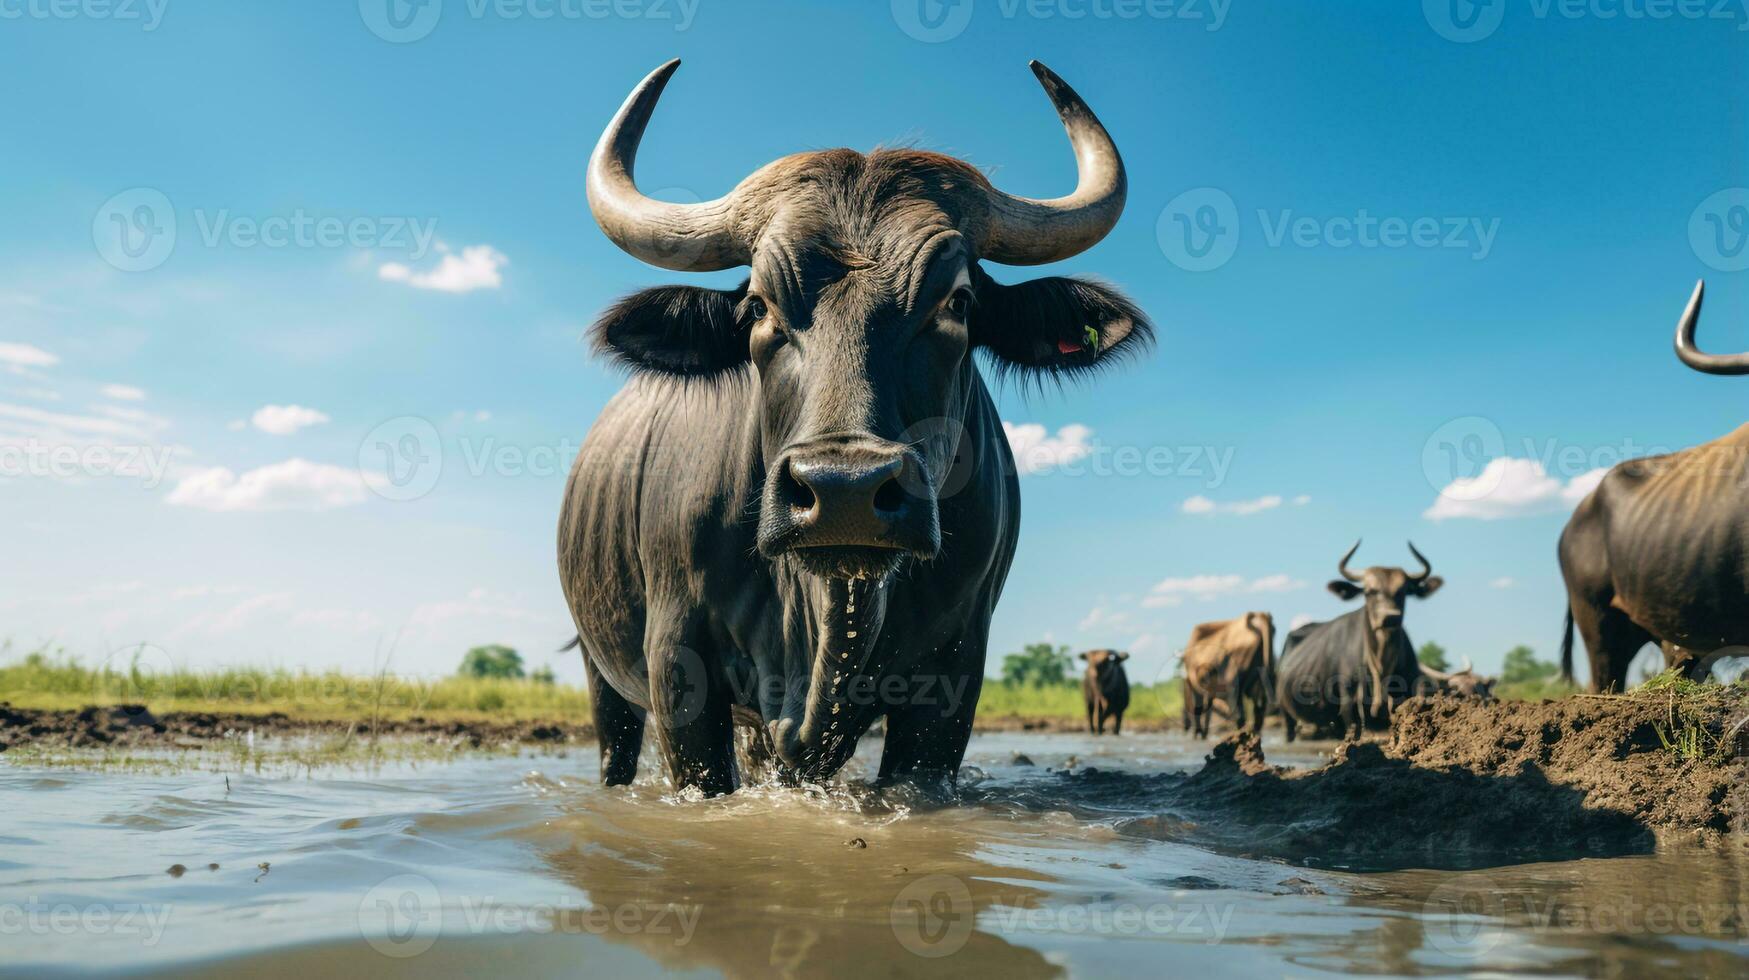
[
  {"x": 1503, "y": 582},
  {"x": 1302, "y": 500},
  {"x": 1300, "y": 620},
  {"x": 1510, "y": 487},
  {"x": 475, "y": 268},
  {"x": 1036, "y": 451},
  {"x": 283, "y": 420},
  {"x": 1242, "y": 508},
  {"x": 1173, "y": 591},
  {"x": 479, "y": 607},
  {"x": 26, "y": 356},
  {"x": 123, "y": 393},
  {"x": 1103, "y": 616},
  {"x": 296, "y": 484}
]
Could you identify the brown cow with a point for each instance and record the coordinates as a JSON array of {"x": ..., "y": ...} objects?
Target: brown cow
[
  {"x": 1106, "y": 688},
  {"x": 1230, "y": 659}
]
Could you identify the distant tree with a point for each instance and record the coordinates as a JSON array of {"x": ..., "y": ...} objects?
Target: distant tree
[
  {"x": 1522, "y": 665},
  {"x": 1432, "y": 655},
  {"x": 492, "y": 660},
  {"x": 1038, "y": 664},
  {"x": 543, "y": 675}
]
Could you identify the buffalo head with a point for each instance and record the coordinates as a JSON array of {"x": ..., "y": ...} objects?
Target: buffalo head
[
  {"x": 864, "y": 301},
  {"x": 1386, "y": 591}
]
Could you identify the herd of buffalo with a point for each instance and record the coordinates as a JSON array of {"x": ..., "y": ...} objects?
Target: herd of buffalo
[
  {"x": 1343, "y": 676},
  {"x": 797, "y": 516}
]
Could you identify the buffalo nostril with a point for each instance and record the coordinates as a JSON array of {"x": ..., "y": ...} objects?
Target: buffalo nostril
[
  {"x": 792, "y": 491},
  {"x": 890, "y": 498}
]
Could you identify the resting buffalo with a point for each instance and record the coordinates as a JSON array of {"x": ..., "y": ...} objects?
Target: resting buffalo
[
  {"x": 1350, "y": 672},
  {"x": 1233, "y": 660},
  {"x": 1463, "y": 683},
  {"x": 1106, "y": 689},
  {"x": 1659, "y": 552},
  {"x": 799, "y": 511}
]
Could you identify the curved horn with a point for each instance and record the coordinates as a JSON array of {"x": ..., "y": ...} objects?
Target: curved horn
[
  {"x": 1466, "y": 668},
  {"x": 682, "y": 237},
  {"x": 1024, "y": 231},
  {"x": 1342, "y": 566},
  {"x": 1694, "y": 357},
  {"x": 1437, "y": 675},
  {"x": 1426, "y": 566}
]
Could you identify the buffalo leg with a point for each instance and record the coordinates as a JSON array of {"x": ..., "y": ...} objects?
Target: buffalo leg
[
  {"x": 926, "y": 738},
  {"x": 1289, "y": 724},
  {"x": 1117, "y": 722},
  {"x": 1092, "y": 729},
  {"x": 690, "y": 705},
  {"x": 1612, "y": 640},
  {"x": 619, "y": 728}
]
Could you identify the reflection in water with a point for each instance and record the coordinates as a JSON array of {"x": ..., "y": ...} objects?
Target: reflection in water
[{"x": 483, "y": 867}]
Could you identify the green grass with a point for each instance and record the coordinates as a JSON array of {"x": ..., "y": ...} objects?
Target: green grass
[
  {"x": 1696, "y": 715},
  {"x": 1147, "y": 702},
  {"x": 1543, "y": 688},
  {"x": 58, "y": 682}
]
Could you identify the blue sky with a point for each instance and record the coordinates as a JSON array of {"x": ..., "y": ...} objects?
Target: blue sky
[{"x": 1427, "y": 244}]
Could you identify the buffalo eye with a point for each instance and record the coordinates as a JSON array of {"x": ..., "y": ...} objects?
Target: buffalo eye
[
  {"x": 959, "y": 305},
  {"x": 756, "y": 309}
]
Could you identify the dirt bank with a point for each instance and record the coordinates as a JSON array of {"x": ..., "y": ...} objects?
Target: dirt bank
[
  {"x": 1461, "y": 783},
  {"x": 132, "y": 726}
]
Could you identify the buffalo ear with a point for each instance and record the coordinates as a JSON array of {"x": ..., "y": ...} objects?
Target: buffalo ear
[
  {"x": 687, "y": 331},
  {"x": 1343, "y": 589},
  {"x": 1428, "y": 586},
  {"x": 1083, "y": 656},
  {"x": 1122, "y": 657},
  {"x": 1055, "y": 326}
]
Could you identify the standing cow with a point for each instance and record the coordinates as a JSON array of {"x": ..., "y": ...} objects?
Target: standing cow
[
  {"x": 1106, "y": 689},
  {"x": 1351, "y": 671},
  {"x": 1659, "y": 551},
  {"x": 799, "y": 512},
  {"x": 1234, "y": 660}
]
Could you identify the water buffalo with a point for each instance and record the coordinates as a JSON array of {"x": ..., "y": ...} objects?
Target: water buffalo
[
  {"x": 1351, "y": 671},
  {"x": 799, "y": 512},
  {"x": 1106, "y": 689},
  {"x": 1659, "y": 551},
  {"x": 1463, "y": 682},
  {"x": 1234, "y": 660}
]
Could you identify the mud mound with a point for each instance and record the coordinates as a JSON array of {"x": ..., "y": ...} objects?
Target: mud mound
[
  {"x": 1672, "y": 762},
  {"x": 1463, "y": 784},
  {"x": 132, "y": 726}
]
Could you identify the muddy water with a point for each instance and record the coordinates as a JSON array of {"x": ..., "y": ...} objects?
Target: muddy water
[{"x": 509, "y": 866}]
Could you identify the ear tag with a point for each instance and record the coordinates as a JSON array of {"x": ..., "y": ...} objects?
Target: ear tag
[{"x": 1089, "y": 338}]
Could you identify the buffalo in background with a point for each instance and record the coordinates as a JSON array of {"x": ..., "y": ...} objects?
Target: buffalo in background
[
  {"x": 1349, "y": 672},
  {"x": 1232, "y": 660},
  {"x": 1106, "y": 689},
  {"x": 1659, "y": 551}
]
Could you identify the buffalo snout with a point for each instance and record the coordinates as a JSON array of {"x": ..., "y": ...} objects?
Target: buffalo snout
[{"x": 849, "y": 507}]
